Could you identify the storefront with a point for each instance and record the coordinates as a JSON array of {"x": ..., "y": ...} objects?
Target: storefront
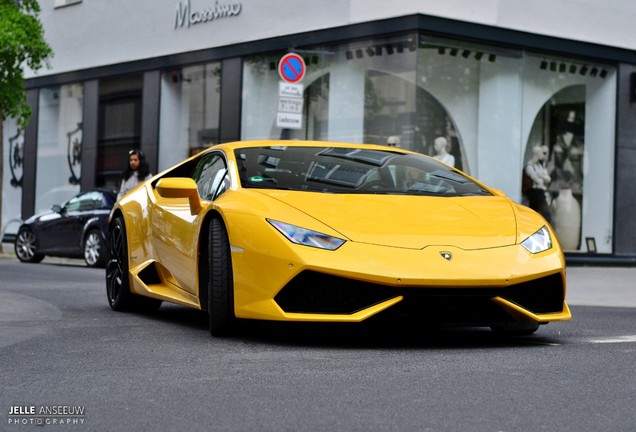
[{"x": 487, "y": 100}]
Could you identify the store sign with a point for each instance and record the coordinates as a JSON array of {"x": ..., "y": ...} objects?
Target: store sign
[{"x": 186, "y": 17}]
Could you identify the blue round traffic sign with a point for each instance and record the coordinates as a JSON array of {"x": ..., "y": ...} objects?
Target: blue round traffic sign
[{"x": 291, "y": 68}]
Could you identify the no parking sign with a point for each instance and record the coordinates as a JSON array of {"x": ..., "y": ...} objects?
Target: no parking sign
[{"x": 291, "y": 68}]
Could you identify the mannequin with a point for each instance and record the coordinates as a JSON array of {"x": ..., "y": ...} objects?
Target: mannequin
[
  {"x": 568, "y": 157},
  {"x": 442, "y": 148},
  {"x": 537, "y": 171},
  {"x": 393, "y": 141}
]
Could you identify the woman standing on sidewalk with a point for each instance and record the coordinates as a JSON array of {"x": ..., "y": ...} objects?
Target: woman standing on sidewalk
[{"x": 136, "y": 172}]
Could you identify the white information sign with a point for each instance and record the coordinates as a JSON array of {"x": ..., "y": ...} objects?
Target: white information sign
[
  {"x": 290, "y": 90},
  {"x": 289, "y": 120},
  {"x": 290, "y": 106}
]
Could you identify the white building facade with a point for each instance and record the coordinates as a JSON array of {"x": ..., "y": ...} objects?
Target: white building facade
[{"x": 497, "y": 78}]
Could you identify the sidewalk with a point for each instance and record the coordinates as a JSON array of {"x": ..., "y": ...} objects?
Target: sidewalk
[
  {"x": 601, "y": 286},
  {"x": 587, "y": 286}
]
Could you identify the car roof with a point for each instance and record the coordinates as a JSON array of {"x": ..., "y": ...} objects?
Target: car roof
[
  {"x": 302, "y": 143},
  {"x": 111, "y": 192}
]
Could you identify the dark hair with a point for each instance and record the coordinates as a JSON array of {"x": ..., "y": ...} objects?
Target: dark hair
[{"x": 142, "y": 171}]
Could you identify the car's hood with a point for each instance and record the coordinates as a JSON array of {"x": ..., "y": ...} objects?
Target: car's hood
[
  {"x": 42, "y": 216},
  {"x": 411, "y": 221}
]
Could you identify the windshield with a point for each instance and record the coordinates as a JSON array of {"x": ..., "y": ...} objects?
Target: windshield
[{"x": 350, "y": 170}]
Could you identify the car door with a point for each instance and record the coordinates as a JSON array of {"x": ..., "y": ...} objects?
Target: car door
[
  {"x": 49, "y": 238},
  {"x": 175, "y": 230},
  {"x": 56, "y": 233},
  {"x": 77, "y": 218}
]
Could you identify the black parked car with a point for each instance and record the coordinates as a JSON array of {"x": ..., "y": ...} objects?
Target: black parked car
[{"x": 74, "y": 230}]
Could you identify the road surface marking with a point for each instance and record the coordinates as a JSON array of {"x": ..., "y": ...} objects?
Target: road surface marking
[{"x": 615, "y": 339}]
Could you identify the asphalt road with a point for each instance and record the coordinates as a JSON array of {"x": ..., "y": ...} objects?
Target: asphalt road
[{"x": 61, "y": 346}]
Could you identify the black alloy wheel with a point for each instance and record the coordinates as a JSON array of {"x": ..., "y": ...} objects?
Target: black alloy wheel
[
  {"x": 117, "y": 278},
  {"x": 117, "y": 282}
]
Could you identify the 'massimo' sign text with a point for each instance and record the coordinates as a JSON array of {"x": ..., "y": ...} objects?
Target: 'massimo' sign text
[{"x": 187, "y": 17}]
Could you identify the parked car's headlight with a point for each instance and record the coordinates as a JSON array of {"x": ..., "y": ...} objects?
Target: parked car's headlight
[
  {"x": 539, "y": 241},
  {"x": 307, "y": 237}
]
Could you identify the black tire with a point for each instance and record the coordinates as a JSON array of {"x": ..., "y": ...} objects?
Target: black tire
[
  {"x": 117, "y": 277},
  {"x": 521, "y": 328},
  {"x": 220, "y": 281},
  {"x": 25, "y": 246},
  {"x": 94, "y": 249}
]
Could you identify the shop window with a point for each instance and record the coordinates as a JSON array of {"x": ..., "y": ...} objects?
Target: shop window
[
  {"x": 479, "y": 108},
  {"x": 59, "y": 145},
  {"x": 400, "y": 114},
  {"x": 571, "y": 144},
  {"x": 190, "y": 112},
  {"x": 119, "y": 127}
]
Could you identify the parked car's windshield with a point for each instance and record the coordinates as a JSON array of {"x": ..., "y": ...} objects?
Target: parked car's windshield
[{"x": 350, "y": 170}]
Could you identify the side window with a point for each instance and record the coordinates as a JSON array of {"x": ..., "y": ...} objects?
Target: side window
[
  {"x": 73, "y": 204},
  {"x": 84, "y": 202},
  {"x": 211, "y": 176}
]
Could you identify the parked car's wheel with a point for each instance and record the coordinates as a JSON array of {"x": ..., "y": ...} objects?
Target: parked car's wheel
[
  {"x": 26, "y": 245},
  {"x": 94, "y": 249},
  {"x": 117, "y": 278},
  {"x": 220, "y": 281}
]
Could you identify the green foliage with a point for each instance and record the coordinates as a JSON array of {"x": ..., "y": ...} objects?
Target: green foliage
[{"x": 21, "y": 44}]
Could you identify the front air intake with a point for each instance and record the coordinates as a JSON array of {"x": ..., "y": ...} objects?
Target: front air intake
[
  {"x": 318, "y": 293},
  {"x": 313, "y": 292}
]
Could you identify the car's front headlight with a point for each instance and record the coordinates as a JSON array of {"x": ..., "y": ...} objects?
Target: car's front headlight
[
  {"x": 539, "y": 241},
  {"x": 307, "y": 237}
]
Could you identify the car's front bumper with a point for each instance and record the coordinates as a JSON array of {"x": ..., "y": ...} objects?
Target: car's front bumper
[{"x": 359, "y": 281}]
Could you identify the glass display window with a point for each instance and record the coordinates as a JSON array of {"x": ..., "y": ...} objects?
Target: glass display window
[
  {"x": 346, "y": 96},
  {"x": 190, "y": 112},
  {"x": 59, "y": 148},
  {"x": 569, "y": 108},
  {"x": 482, "y": 109}
]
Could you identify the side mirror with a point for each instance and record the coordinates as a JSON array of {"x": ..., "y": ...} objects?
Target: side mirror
[
  {"x": 56, "y": 208},
  {"x": 180, "y": 187}
]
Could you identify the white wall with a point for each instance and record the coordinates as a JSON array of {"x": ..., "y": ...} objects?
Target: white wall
[
  {"x": 94, "y": 33},
  {"x": 608, "y": 22}
]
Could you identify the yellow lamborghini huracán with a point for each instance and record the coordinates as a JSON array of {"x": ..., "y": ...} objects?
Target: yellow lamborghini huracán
[{"x": 332, "y": 232}]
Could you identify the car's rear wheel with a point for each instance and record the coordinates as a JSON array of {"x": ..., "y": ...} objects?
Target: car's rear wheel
[
  {"x": 94, "y": 249},
  {"x": 521, "y": 328},
  {"x": 25, "y": 246},
  {"x": 220, "y": 281},
  {"x": 117, "y": 278}
]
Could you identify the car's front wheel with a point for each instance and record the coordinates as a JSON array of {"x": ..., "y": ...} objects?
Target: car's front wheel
[
  {"x": 117, "y": 279},
  {"x": 94, "y": 249},
  {"x": 220, "y": 281},
  {"x": 25, "y": 246}
]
